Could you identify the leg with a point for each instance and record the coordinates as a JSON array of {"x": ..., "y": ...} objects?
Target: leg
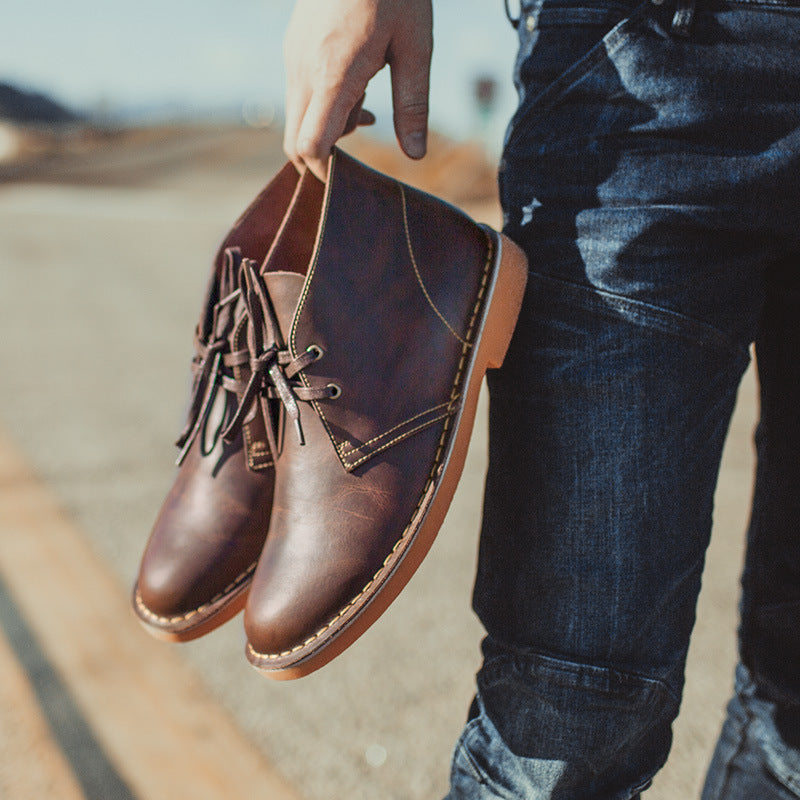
[
  {"x": 606, "y": 431},
  {"x": 623, "y": 179},
  {"x": 758, "y": 754}
]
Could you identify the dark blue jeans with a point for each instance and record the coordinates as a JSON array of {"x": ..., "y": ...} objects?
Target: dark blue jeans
[{"x": 652, "y": 175}]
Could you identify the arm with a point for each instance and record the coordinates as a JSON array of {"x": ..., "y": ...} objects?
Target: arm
[{"x": 332, "y": 49}]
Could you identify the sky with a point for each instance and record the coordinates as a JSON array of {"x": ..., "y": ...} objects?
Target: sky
[{"x": 215, "y": 54}]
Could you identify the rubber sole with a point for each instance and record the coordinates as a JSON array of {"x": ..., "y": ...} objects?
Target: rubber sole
[{"x": 500, "y": 312}]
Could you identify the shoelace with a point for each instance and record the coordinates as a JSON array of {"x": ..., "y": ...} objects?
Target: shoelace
[
  {"x": 272, "y": 365},
  {"x": 211, "y": 342}
]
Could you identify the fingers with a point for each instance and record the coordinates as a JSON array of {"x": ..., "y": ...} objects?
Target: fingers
[
  {"x": 358, "y": 116},
  {"x": 410, "y": 61},
  {"x": 332, "y": 51},
  {"x": 326, "y": 81},
  {"x": 296, "y": 102},
  {"x": 410, "y": 101},
  {"x": 325, "y": 120},
  {"x": 366, "y": 118},
  {"x": 315, "y": 156}
]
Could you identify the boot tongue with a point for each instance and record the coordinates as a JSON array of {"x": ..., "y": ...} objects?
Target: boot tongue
[{"x": 284, "y": 290}]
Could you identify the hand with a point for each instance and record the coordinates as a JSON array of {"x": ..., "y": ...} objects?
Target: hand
[{"x": 332, "y": 49}]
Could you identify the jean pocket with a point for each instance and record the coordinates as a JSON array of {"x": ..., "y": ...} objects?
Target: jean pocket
[{"x": 561, "y": 43}]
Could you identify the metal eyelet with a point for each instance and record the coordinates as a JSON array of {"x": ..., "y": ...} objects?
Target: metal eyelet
[
  {"x": 334, "y": 391},
  {"x": 315, "y": 351}
]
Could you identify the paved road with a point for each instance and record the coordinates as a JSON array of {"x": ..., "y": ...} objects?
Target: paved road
[
  {"x": 90, "y": 705},
  {"x": 100, "y": 287}
]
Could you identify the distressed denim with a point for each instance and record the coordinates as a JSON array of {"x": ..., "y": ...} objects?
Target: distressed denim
[
  {"x": 652, "y": 175},
  {"x": 757, "y": 755}
]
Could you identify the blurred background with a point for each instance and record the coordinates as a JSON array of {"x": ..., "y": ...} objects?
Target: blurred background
[
  {"x": 123, "y": 64},
  {"x": 131, "y": 137}
]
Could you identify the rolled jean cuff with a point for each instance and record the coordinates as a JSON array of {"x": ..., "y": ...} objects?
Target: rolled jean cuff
[{"x": 551, "y": 728}]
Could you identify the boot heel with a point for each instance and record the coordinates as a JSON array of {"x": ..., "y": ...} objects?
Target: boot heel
[{"x": 505, "y": 301}]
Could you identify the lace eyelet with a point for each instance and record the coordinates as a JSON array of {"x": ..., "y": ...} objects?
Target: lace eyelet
[
  {"x": 315, "y": 351},
  {"x": 334, "y": 391}
]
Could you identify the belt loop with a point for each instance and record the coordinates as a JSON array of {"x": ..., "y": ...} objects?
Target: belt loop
[
  {"x": 684, "y": 17},
  {"x": 513, "y": 20}
]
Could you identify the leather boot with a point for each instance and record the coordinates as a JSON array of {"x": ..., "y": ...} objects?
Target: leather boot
[
  {"x": 375, "y": 318},
  {"x": 199, "y": 561}
]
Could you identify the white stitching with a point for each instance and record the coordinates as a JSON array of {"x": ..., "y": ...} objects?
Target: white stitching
[
  {"x": 416, "y": 269},
  {"x": 347, "y": 445},
  {"x": 394, "y": 441},
  {"x": 151, "y": 615}
]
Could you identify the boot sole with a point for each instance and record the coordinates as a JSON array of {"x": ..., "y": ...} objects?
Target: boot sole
[{"x": 499, "y": 316}]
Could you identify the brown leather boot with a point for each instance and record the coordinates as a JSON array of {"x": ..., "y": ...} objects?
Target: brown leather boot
[
  {"x": 375, "y": 318},
  {"x": 202, "y": 552}
]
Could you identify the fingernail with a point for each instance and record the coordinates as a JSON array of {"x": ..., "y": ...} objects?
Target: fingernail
[{"x": 415, "y": 144}]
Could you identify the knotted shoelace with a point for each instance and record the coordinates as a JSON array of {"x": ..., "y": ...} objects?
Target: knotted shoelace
[
  {"x": 272, "y": 365},
  {"x": 213, "y": 352}
]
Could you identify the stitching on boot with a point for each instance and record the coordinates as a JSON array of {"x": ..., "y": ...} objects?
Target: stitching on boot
[
  {"x": 258, "y": 657},
  {"x": 398, "y": 439},
  {"x": 417, "y": 272},
  {"x": 341, "y": 444},
  {"x": 372, "y": 451},
  {"x": 347, "y": 446},
  {"x": 234, "y": 584}
]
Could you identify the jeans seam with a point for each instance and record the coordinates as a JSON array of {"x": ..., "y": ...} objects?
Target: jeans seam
[
  {"x": 740, "y": 745},
  {"x": 462, "y": 749},
  {"x": 773, "y": 757},
  {"x": 648, "y": 314},
  {"x": 786, "y": 782},
  {"x": 563, "y": 665}
]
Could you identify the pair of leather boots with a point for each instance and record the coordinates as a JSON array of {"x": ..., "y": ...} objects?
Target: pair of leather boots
[{"x": 345, "y": 332}]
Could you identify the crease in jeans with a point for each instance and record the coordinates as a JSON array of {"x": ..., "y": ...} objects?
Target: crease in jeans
[{"x": 740, "y": 747}]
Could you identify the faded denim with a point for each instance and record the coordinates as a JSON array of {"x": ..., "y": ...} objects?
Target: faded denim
[{"x": 652, "y": 175}]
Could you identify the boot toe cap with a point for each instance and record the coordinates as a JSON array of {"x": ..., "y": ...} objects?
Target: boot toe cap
[{"x": 280, "y": 618}]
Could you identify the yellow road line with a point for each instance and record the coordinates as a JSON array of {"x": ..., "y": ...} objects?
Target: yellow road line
[{"x": 152, "y": 716}]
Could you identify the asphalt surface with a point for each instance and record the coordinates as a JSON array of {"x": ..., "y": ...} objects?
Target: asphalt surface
[{"x": 100, "y": 291}]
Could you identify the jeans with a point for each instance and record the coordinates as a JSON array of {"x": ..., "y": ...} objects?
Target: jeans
[{"x": 652, "y": 175}]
